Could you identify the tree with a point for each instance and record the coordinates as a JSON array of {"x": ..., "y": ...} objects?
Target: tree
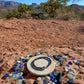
[
  {"x": 22, "y": 11},
  {"x": 23, "y": 8},
  {"x": 52, "y": 5}
]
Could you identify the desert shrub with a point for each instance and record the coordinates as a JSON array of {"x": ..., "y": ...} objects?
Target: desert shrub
[
  {"x": 64, "y": 17},
  {"x": 58, "y": 9},
  {"x": 38, "y": 16},
  {"x": 82, "y": 16},
  {"x": 67, "y": 14},
  {"x": 23, "y": 11},
  {"x": 54, "y": 9},
  {"x": 2, "y": 15},
  {"x": 52, "y": 6},
  {"x": 13, "y": 13}
]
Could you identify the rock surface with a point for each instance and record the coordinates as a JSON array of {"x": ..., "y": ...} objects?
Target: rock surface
[{"x": 20, "y": 37}]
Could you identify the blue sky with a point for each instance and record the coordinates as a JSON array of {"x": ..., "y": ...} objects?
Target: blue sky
[{"x": 80, "y": 2}]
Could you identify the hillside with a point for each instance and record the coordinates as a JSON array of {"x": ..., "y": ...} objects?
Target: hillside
[
  {"x": 77, "y": 7},
  {"x": 9, "y": 3},
  {"x": 4, "y": 9},
  {"x": 13, "y": 4}
]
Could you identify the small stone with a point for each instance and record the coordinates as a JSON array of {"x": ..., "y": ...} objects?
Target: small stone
[
  {"x": 53, "y": 73},
  {"x": 18, "y": 71},
  {"x": 23, "y": 59},
  {"x": 39, "y": 79},
  {"x": 61, "y": 64},
  {"x": 29, "y": 55},
  {"x": 64, "y": 57},
  {"x": 78, "y": 63},
  {"x": 19, "y": 62},
  {"x": 41, "y": 53},
  {"x": 57, "y": 63},
  {"x": 48, "y": 78},
  {"x": 54, "y": 80},
  {"x": 70, "y": 75},
  {"x": 70, "y": 62},
  {"x": 73, "y": 58},
  {"x": 23, "y": 82},
  {"x": 74, "y": 61},
  {"x": 10, "y": 74},
  {"x": 6, "y": 75},
  {"x": 71, "y": 81},
  {"x": 40, "y": 82},
  {"x": 21, "y": 77},
  {"x": 66, "y": 67},
  {"x": 52, "y": 77},
  {"x": 14, "y": 68},
  {"x": 60, "y": 55},
  {"x": 21, "y": 65},
  {"x": 61, "y": 60},
  {"x": 58, "y": 77},
  {"x": 63, "y": 73},
  {"x": 35, "y": 82},
  {"x": 55, "y": 56}
]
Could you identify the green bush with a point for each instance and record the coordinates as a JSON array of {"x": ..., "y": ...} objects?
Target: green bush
[
  {"x": 22, "y": 11},
  {"x": 64, "y": 17},
  {"x": 82, "y": 16},
  {"x": 13, "y": 13},
  {"x": 38, "y": 16},
  {"x": 52, "y": 6},
  {"x": 53, "y": 9}
]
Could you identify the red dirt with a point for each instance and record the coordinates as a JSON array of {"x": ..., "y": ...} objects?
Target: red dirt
[{"x": 19, "y": 37}]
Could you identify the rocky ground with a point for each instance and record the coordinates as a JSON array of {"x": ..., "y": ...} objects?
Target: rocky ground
[{"x": 19, "y": 37}]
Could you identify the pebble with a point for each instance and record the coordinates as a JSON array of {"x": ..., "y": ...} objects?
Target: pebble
[
  {"x": 74, "y": 61},
  {"x": 58, "y": 77},
  {"x": 23, "y": 82},
  {"x": 73, "y": 58},
  {"x": 61, "y": 64},
  {"x": 10, "y": 74},
  {"x": 61, "y": 60},
  {"x": 6, "y": 75},
  {"x": 78, "y": 63},
  {"x": 48, "y": 78},
  {"x": 21, "y": 65},
  {"x": 71, "y": 81},
  {"x": 17, "y": 63},
  {"x": 70, "y": 62},
  {"x": 70, "y": 75},
  {"x": 23, "y": 59},
  {"x": 63, "y": 73},
  {"x": 35, "y": 82},
  {"x": 57, "y": 63},
  {"x": 39, "y": 79},
  {"x": 41, "y": 53},
  {"x": 54, "y": 78}
]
